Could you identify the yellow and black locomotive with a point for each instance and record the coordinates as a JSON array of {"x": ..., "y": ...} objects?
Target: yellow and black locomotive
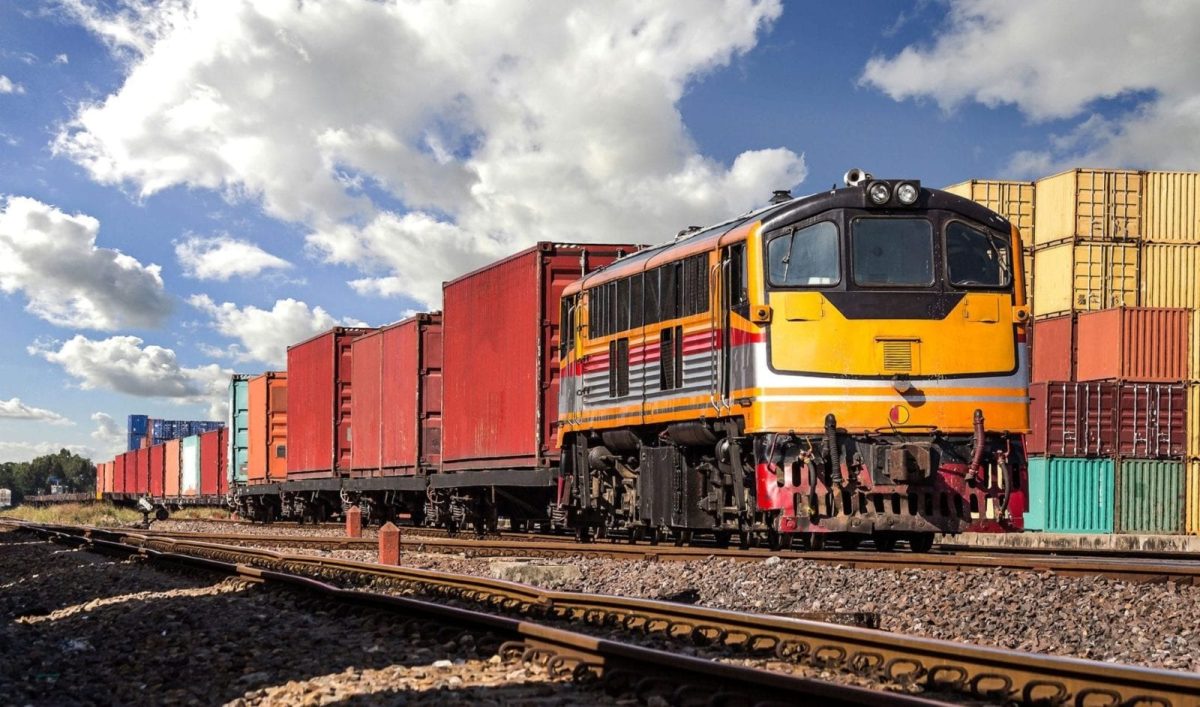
[{"x": 849, "y": 364}]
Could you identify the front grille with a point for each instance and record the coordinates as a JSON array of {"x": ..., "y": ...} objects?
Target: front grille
[{"x": 898, "y": 356}]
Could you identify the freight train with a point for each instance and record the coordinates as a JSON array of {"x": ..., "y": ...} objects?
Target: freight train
[{"x": 848, "y": 365}]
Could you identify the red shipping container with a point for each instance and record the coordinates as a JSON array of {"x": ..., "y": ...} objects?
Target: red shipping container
[
  {"x": 500, "y": 342},
  {"x": 142, "y": 465},
  {"x": 1132, "y": 343},
  {"x": 1108, "y": 418},
  {"x": 119, "y": 474},
  {"x": 1153, "y": 420},
  {"x": 157, "y": 470},
  {"x": 319, "y": 398},
  {"x": 171, "y": 451},
  {"x": 212, "y": 462},
  {"x": 1053, "y": 350},
  {"x": 397, "y": 405}
]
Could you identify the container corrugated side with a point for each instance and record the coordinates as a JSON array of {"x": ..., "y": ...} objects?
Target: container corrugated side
[
  {"x": 1052, "y": 349},
  {"x": 189, "y": 455},
  {"x": 1072, "y": 419},
  {"x": 1100, "y": 204},
  {"x": 1192, "y": 492},
  {"x": 109, "y": 468},
  {"x": 1036, "y": 488},
  {"x": 1080, "y": 495},
  {"x": 210, "y": 462},
  {"x": 1149, "y": 496},
  {"x": 173, "y": 481},
  {"x": 1193, "y": 421},
  {"x": 1172, "y": 207},
  {"x": 1084, "y": 276},
  {"x": 238, "y": 426},
  {"x": 500, "y": 392},
  {"x": 1171, "y": 278},
  {"x": 1152, "y": 420},
  {"x": 368, "y": 381},
  {"x": 1132, "y": 343},
  {"x": 1014, "y": 200}
]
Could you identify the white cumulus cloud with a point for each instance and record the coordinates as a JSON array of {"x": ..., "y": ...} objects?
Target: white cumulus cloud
[
  {"x": 52, "y": 258},
  {"x": 222, "y": 257},
  {"x": 109, "y": 434},
  {"x": 26, "y": 451},
  {"x": 1055, "y": 60},
  {"x": 123, "y": 364},
  {"x": 417, "y": 139},
  {"x": 8, "y": 86},
  {"x": 263, "y": 335},
  {"x": 14, "y": 409}
]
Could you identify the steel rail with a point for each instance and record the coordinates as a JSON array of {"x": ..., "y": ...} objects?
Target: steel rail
[
  {"x": 978, "y": 671},
  {"x": 620, "y": 665},
  {"x": 1125, "y": 569}
]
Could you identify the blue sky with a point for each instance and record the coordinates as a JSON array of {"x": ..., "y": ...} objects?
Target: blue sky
[{"x": 269, "y": 169}]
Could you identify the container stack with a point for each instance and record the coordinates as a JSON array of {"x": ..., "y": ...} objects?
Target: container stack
[
  {"x": 146, "y": 432},
  {"x": 1115, "y": 394}
]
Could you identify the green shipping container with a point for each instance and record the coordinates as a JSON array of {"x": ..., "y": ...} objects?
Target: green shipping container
[
  {"x": 238, "y": 453},
  {"x": 1035, "y": 515},
  {"x": 1150, "y": 496},
  {"x": 1079, "y": 495}
]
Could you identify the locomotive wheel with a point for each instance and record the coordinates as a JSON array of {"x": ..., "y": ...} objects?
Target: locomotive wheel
[
  {"x": 921, "y": 542},
  {"x": 884, "y": 543},
  {"x": 779, "y": 541}
]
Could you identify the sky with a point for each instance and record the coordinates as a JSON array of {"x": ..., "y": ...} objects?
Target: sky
[{"x": 188, "y": 187}]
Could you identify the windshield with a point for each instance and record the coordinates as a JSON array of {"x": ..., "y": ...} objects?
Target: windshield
[
  {"x": 806, "y": 257},
  {"x": 892, "y": 251},
  {"x": 976, "y": 258}
]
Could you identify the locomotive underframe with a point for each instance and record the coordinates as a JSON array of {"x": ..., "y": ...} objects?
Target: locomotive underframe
[{"x": 711, "y": 477}]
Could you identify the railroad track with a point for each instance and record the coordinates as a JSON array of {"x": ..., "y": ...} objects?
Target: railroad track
[
  {"x": 940, "y": 667},
  {"x": 1130, "y": 569}
]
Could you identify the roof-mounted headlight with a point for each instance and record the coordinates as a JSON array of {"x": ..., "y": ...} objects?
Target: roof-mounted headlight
[
  {"x": 879, "y": 192},
  {"x": 907, "y": 193}
]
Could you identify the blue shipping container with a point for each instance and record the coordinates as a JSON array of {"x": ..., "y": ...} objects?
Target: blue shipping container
[
  {"x": 1079, "y": 495},
  {"x": 238, "y": 453},
  {"x": 137, "y": 424},
  {"x": 1035, "y": 515}
]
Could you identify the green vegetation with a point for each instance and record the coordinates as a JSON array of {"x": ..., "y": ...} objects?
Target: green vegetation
[
  {"x": 200, "y": 514},
  {"x": 72, "y": 471},
  {"x": 97, "y": 514}
]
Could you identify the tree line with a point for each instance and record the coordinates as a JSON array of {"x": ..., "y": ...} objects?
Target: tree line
[{"x": 76, "y": 473}]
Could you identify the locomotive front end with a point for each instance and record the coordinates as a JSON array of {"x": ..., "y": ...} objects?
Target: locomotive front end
[{"x": 891, "y": 382}]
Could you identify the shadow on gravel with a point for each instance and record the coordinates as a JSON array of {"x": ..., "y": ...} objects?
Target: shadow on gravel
[{"x": 196, "y": 638}]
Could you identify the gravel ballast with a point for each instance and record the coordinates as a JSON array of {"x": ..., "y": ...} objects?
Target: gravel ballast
[
  {"x": 1085, "y": 617},
  {"x": 84, "y": 628}
]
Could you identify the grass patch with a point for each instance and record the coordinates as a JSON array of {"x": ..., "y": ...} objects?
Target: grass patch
[{"x": 100, "y": 514}]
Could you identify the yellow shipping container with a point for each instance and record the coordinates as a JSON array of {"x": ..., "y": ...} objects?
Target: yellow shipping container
[
  {"x": 1083, "y": 276},
  {"x": 1192, "y": 491},
  {"x": 1012, "y": 200},
  {"x": 1172, "y": 207},
  {"x": 1171, "y": 278},
  {"x": 1193, "y": 421},
  {"x": 1027, "y": 262},
  {"x": 1097, "y": 204}
]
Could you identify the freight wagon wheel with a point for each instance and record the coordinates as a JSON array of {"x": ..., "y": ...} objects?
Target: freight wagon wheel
[
  {"x": 723, "y": 537},
  {"x": 815, "y": 541},
  {"x": 849, "y": 542},
  {"x": 779, "y": 541},
  {"x": 921, "y": 542},
  {"x": 652, "y": 536},
  {"x": 582, "y": 534}
]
